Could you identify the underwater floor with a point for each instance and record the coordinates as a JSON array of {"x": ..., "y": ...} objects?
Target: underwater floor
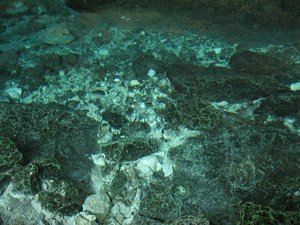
[{"x": 134, "y": 115}]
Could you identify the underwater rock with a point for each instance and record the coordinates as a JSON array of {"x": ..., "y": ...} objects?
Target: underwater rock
[
  {"x": 158, "y": 203},
  {"x": 84, "y": 218},
  {"x": 143, "y": 63},
  {"x": 194, "y": 113},
  {"x": 63, "y": 198},
  {"x": 115, "y": 119},
  {"x": 17, "y": 7},
  {"x": 118, "y": 188},
  {"x": 130, "y": 149},
  {"x": 215, "y": 171},
  {"x": 257, "y": 64},
  {"x": 98, "y": 205},
  {"x": 281, "y": 104},
  {"x": 219, "y": 84},
  {"x": 39, "y": 130},
  {"x": 29, "y": 179},
  {"x": 84, "y": 5},
  {"x": 8, "y": 60},
  {"x": 192, "y": 220},
  {"x": 253, "y": 214},
  {"x": 135, "y": 128},
  {"x": 10, "y": 158},
  {"x": 57, "y": 35}
]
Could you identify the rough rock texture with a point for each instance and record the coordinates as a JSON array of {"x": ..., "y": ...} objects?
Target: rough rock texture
[
  {"x": 130, "y": 149},
  {"x": 253, "y": 214},
  {"x": 29, "y": 179},
  {"x": 10, "y": 158},
  {"x": 218, "y": 170},
  {"x": 39, "y": 130},
  {"x": 158, "y": 203},
  {"x": 61, "y": 198},
  {"x": 261, "y": 12}
]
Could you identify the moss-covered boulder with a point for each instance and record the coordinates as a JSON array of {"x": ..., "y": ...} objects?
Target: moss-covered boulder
[
  {"x": 51, "y": 129},
  {"x": 195, "y": 114},
  {"x": 30, "y": 178},
  {"x": 256, "y": 63},
  {"x": 10, "y": 157},
  {"x": 223, "y": 84},
  {"x": 116, "y": 120},
  {"x": 253, "y": 214},
  {"x": 245, "y": 161},
  {"x": 280, "y": 104},
  {"x": 158, "y": 203},
  {"x": 62, "y": 198},
  {"x": 130, "y": 149}
]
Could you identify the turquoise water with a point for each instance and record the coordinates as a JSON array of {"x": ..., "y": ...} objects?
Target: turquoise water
[{"x": 149, "y": 112}]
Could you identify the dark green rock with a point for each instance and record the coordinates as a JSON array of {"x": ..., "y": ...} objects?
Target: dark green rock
[
  {"x": 118, "y": 189},
  {"x": 130, "y": 149},
  {"x": 115, "y": 119},
  {"x": 255, "y": 63},
  {"x": 158, "y": 203},
  {"x": 10, "y": 157},
  {"x": 51, "y": 129},
  {"x": 64, "y": 198},
  {"x": 29, "y": 179},
  {"x": 253, "y": 214},
  {"x": 135, "y": 128},
  {"x": 194, "y": 113},
  {"x": 282, "y": 105},
  {"x": 244, "y": 161},
  {"x": 189, "y": 220},
  {"x": 222, "y": 84}
]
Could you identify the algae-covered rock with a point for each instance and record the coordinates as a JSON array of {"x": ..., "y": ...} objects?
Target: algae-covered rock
[
  {"x": 158, "y": 203},
  {"x": 130, "y": 149},
  {"x": 10, "y": 157},
  {"x": 280, "y": 104},
  {"x": 64, "y": 198},
  {"x": 135, "y": 128},
  {"x": 223, "y": 84},
  {"x": 256, "y": 63},
  {"x": 195, "y": 114},
  {"x": 253, "y": 214},
  {"x": 118, "y": 189},
  {"x": 29, "y": 179},
  {"x": 46, "y": 129},
  {"x": 245, "y": 161},
  {"x": 115, "y": 119},
  {"x": 189, "y": 220}
]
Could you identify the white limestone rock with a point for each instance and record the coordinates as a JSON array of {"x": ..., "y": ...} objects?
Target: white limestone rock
[{"x": 98, "y": 205}]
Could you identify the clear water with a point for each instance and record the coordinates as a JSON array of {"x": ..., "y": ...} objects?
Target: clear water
[{"x": 149, "y": 112}]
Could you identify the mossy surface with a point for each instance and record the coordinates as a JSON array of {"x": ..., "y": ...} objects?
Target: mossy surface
[
  {"x": 118, "y": 188},
  {"x": 10, "y": 158},
  {"x": 41, "y": 130},
  {"x": 29, "y": 179},
  {"x": 51, "y": 128},
  {"x": 253, "y": 214},
  {"x": 259, "y": 164},
  {"x": 158, "y": 203},
  {"x": 64, "y": 198},
  {"x": 130, "y": 149},
  {"x": 115, "y": 119}
]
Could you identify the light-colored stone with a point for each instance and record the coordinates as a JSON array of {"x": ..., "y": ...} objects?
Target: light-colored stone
[
  {"x": 98, "y": 205},
  {"x": 57, "y": 35},
  {"x": 84, "y": 218}
]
